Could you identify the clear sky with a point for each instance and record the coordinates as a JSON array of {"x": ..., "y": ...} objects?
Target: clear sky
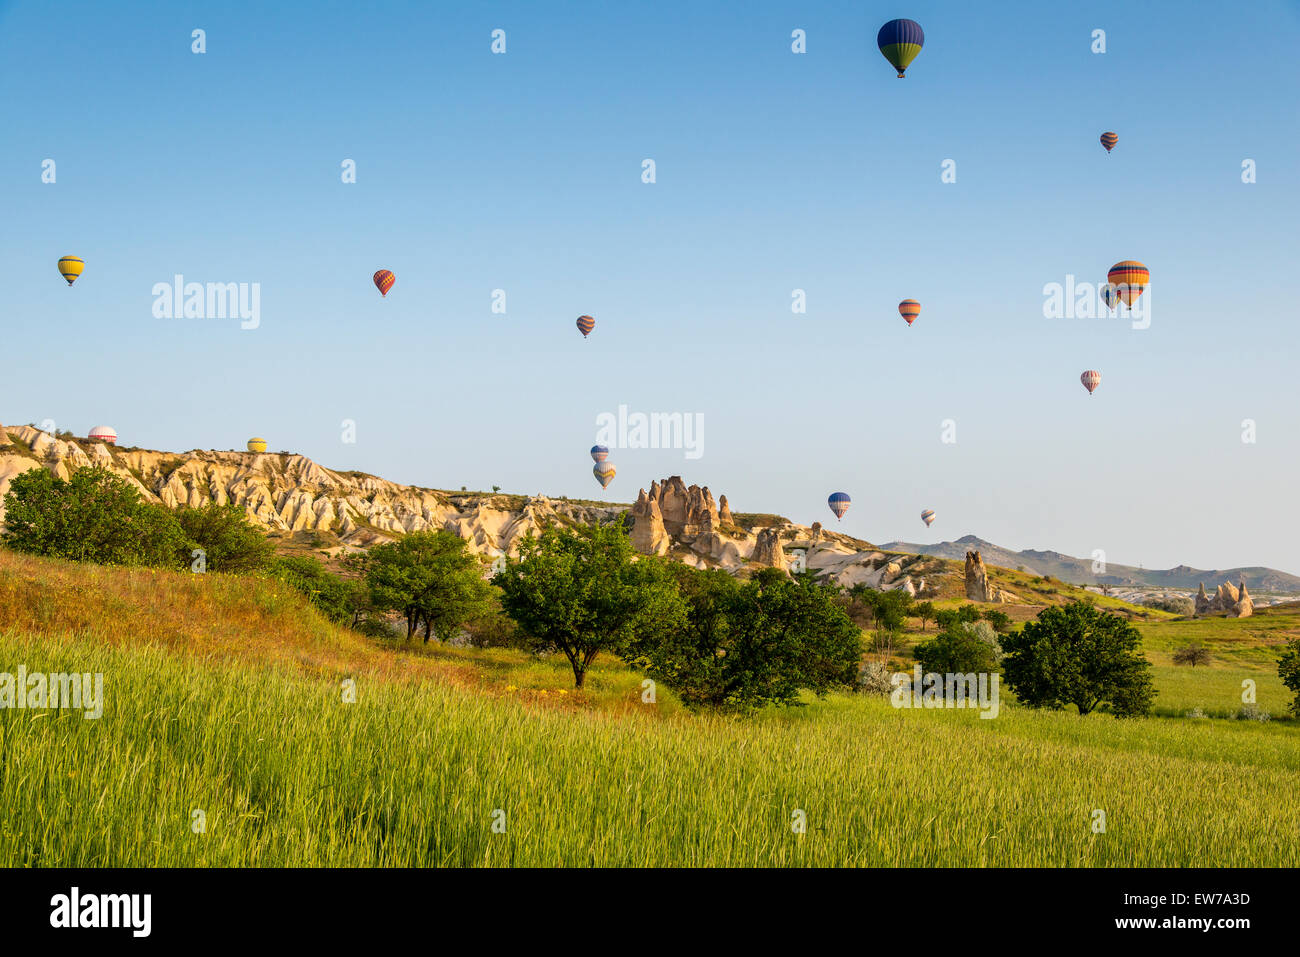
[{"x": 775, "y": 171}]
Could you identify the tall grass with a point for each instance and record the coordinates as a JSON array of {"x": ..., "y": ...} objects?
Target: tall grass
[{"x": 243, "y": 718}]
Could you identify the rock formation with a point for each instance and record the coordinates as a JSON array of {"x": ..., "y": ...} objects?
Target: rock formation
[
  {"x": 1227, "y": 600},
  {"x": 5, "y": 440},
  {"x": 768, "y": 550},
  {"x": 648, "y": 533},
  {"x": 291, "y": 494},
  {"x": 977, "y": 579},
  {"x": 977, "y": 582}
]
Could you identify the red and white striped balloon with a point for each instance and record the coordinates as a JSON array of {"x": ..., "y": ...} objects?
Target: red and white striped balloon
[{"x": 1091, "y": 379}]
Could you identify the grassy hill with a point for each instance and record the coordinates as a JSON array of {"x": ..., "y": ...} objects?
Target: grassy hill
[{"x": 224, "y": 695}]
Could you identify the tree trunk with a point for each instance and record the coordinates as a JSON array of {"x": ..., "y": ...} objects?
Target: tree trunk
[{"x": 428, "y": 625}]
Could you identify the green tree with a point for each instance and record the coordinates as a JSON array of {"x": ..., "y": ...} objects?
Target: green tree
[
  {"x": 432, "y": 579},
  {"x": 951, "y": 617},
  {"x": 925, "y": 611},
  {"x": 581, "y": 591},
  {"x": 1288, "y": 669},
  {"x": 1075, "y": 654},
  {"x": 964, "y": 648},
  {"x": 229, "y": 541},
  {"x": 746, "y": 644},
  {"x": 93, "y": 516}
]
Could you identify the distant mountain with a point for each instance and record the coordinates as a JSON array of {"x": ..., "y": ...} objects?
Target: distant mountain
[{"x": 1079, "y": 570}]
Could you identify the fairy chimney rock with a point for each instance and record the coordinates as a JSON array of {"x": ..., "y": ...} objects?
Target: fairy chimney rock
[
  {"x": 977, "y": 578},
  {"x": 768, "y": 550}
]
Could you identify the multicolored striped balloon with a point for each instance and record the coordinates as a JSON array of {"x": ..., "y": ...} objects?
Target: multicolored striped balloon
[
  {"x": 604, "y": 472},
  {"x": 1091, "y": 379},
  {"x": 70, "y": 268},
  {"x": 927, "y": 516},
  {"x": 384, "y": 280},
  {"x": 1110, "y": 295},
  {"x": 1109, "y": 140},
  {"x": 900, "y": 41},
  {"x": 909, "y": 309},
  {"x": 1131, "y": 277},
  {"x": 599, "y": 453},
  {"x": 104, "y": 433},
  {"x": 257, "y": 445},
  {"x": 585, "y": 325},
  {"x": 839, "y": 503}
]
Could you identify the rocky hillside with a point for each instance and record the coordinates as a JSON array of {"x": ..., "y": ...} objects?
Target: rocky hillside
[
  {"x": 1079, "y": 570},
  {"x": 349, "y": 510}
]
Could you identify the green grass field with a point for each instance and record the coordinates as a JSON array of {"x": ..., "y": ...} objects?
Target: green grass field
[{"x": 224, "y": 695}]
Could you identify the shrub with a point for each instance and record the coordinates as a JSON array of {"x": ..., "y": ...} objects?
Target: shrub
[
  {"x": 1288, "y": 669},
  {"x": 229, "y": 541},
  {"x": 94, "y": 516},
  {"x": 1176, "y": 604},
  {"x": 964, "y": 648},
  {"x": 875, "y": 678},
  {"x": 1193, "y": 654}
]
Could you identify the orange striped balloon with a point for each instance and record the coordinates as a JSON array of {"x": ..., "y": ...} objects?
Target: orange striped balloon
[
  {"x": 384, "y": 281},
  {"x": 585, "y": 325},
  {"x": 909, "y": 309},
  {"x": 1130, "y": 278},
  {"x": 1109, "y": 140}
]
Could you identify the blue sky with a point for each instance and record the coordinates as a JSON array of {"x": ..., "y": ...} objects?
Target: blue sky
[{"x": 775, "y": 172}]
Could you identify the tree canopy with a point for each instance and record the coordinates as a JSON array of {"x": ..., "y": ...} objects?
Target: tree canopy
[{"x": 1075, "y": 654}]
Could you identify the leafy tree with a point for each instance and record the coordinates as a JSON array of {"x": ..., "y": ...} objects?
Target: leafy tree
[
  {"x": 93, "y": 516},
  {"x": 746, "y": 644},
  {"x": 581, "y": 592},
  {"x": 1288, "y": 669},
  {"x": 999, "y": 619},
  {"x": 1075, "y": 654},
  {"x": 229, "y": 541},
  {"x": 432, "y": 579},
  {"x": 925, "y": 611},
  {"x": 951, "y": 617},
  {"x": 889, "y": 609},
  {"x": 964, "y": 648},
  {"x": 1193, "y": 654}
]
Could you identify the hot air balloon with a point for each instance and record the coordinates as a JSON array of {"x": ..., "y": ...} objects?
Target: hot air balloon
[
  {"x": 70, "y": 268},
  {"x": 900, "y": 41},
  {"x": 604, "y": 472},
  {"x": 928, "y": 517},
  {"x": 1109, "y": 140},
  {"x": 909, "y": 309},
  {"x": 257, "y": 445},
  {"x": 585, "y": 325},
  {"x": 599, "y": 453},
  {"x": 1091, "y": 379},
  {"x": 384, "y": 280},
  {"x": 839, "y": 503},
  {"x": 1132, "y": 279},
  {"x": 1110, "y": 295},
  {"x": 103, "y": 433}
]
